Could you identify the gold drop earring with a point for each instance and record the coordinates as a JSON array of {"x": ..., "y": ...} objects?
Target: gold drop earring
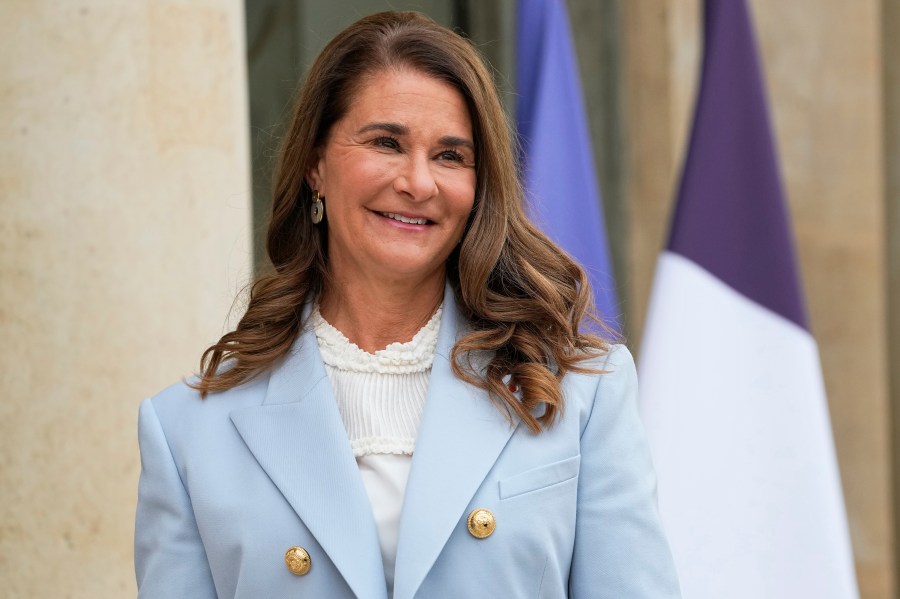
[{"x": 318, "y": 208}]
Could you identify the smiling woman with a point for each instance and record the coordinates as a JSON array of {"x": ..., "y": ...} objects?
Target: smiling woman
[
  {"x": 409, "y": 400},
  {"x": 398, "y": 173}
]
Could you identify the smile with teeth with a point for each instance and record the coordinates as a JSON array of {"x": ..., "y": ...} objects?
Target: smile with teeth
[{"x": 405, "y": 219}]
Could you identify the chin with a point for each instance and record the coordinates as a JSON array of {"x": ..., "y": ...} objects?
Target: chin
[
  {"x": 405, "y": 268},
  {"x": 411, "y": 260}
]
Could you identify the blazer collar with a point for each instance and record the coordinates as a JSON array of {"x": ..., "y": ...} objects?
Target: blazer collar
[
  {"x": 461, "y": 435},
  {"x": 299, "y": 439}
]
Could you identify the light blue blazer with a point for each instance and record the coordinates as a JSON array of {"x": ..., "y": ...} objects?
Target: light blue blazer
[{"x": 229, "y": 483}]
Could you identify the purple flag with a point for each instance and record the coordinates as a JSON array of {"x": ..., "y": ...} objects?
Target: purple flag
[
  {"x": 560, "y": 184},
  {"x": 731, "y": 217},
  {"x": 731, "y": 387}
]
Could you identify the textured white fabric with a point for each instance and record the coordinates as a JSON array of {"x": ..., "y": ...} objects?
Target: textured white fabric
[
  {"x": 415, "y": 355},
  {"x": 380, "y": 397}
]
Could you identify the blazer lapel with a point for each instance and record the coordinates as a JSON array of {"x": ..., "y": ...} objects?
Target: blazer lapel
[
  {"x": 298, "y": 438},
  {"x": 461, "y": 435}
]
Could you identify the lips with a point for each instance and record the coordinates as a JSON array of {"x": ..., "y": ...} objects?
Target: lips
[{"x": 405, "y": 219}]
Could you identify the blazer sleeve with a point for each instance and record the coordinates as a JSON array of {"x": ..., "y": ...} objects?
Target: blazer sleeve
[
  {"x": 620, "y": 550},
  {"x": 169, "y": 557}
]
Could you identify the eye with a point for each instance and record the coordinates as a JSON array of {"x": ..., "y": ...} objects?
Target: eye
[
  {"x": 452, "y": 155},
  {"x": 386, "y": 142}
]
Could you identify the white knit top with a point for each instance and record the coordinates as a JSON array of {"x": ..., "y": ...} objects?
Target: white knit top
[{"x": 380, "y": 397}]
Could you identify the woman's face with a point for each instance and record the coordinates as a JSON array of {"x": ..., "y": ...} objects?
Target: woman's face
[{"x": 398, "y": 176}]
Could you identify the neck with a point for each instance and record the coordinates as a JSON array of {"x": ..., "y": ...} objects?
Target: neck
[{"x": 373, "y": 315}]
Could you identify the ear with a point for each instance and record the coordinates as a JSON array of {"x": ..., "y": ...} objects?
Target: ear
[{"x": 314, "y": 177}]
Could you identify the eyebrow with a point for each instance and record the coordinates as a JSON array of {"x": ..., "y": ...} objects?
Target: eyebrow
[
  {"x": 450, "y": 140},
  {"x": 398, "y": 129},
  {"x": 394, "y": 128}
]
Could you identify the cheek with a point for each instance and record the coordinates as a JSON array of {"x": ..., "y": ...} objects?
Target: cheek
[
  {"x": 371, "y": 172},
  {"x": 462, "y": 197},
  {"x": 355, "y": 174}
]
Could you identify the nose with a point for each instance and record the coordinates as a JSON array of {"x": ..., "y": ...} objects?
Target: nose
[{"x": 416, "y": 179}]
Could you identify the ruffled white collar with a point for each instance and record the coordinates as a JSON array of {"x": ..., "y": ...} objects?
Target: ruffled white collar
[{"x": 416, "y": 355}]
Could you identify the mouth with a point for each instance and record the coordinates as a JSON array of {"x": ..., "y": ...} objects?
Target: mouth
[{"x": 405, "y": 219}]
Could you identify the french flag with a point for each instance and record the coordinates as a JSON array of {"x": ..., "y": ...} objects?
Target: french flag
[
  {"x": 731, "y": 386},
  {"x": 560, "y": 183}
]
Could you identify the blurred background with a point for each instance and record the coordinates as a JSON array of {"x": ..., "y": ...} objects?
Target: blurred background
[{"x": 136, "y": 143}]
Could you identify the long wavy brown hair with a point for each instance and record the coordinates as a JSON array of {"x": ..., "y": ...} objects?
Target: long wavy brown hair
[{"x": 524, "y": 298}]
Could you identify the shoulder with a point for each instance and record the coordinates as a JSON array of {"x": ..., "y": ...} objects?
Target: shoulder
[
  {"x": 618, "y": 373},
  {"x": 181, "y": 398},
  {"x": 610, "y": 387},
  {"x": 183, "y": 414},
  {"x": 610, "y": 370}
]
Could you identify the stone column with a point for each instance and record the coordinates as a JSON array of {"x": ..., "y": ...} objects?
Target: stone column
[
  {"x": 823, "y": 65},
  {"x": 125, "y": 223},
  {"x": 890, "y": 40}
]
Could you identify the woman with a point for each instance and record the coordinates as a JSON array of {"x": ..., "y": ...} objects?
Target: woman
[{"x": 407, "y": 408}]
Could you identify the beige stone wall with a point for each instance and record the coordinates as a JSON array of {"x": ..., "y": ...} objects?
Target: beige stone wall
[
  {"x": 124, "y": 235},
  {"x": 823, "y": 61},
  {"x": 824, "y": 69},
  {"x": 662, "y": 52},
  {"x": 890, "y": 42}
]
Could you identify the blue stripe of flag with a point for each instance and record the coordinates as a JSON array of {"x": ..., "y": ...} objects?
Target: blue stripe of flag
[{"x": 560, "y": 183}]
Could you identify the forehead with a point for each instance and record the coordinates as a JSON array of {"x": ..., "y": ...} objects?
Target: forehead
[{"x": 410, "y": 95}]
